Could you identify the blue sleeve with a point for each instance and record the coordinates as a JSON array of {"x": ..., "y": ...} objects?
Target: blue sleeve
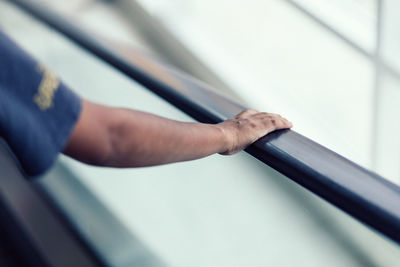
[{"x": 37, "y": 111}]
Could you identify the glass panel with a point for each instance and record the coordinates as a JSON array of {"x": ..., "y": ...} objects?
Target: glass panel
[
  {"x": 218, "y": 211},
  {"x": 388, "y": 93},
  {"x": 387, "y": 105},
  {"x": 390, "y": 34},
  {"x": 278, "y": 59}
]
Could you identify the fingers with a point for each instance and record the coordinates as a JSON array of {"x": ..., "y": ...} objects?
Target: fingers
[
  {"x": 272, "y": 121},
  {"x": 269, "y": 121}
]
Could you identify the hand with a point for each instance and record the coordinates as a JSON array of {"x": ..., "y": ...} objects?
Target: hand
[{"x": 248, "y": 126}]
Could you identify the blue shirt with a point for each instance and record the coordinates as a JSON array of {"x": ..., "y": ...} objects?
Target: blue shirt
[{"x": 37, "y": 111}]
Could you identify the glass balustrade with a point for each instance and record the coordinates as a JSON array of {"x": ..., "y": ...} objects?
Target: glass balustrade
[{"x": 219, "y": 211}]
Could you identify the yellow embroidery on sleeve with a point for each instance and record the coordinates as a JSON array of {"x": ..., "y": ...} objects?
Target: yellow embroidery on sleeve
[{"x": 45, "y": 94}]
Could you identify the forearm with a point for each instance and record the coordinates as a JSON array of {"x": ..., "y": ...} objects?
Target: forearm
[
  {"x": 143, "y": 139},
  {"x": 116, "y": 137}
]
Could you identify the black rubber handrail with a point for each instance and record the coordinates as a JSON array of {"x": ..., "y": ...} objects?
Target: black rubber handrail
[{"x": 363, "y": 194}]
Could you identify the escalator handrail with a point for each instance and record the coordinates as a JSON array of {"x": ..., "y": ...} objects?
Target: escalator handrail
[{"x": 361, "y": 193}]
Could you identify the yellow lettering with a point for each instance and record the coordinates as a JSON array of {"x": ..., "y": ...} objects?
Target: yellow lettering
[{"x": 45, "y": 94}]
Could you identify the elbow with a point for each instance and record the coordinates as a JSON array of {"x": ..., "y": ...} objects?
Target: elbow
[
  {"x": 102, "y": 150},
  {"x": 115, "y": 151},
  {"x": 98, "y": 136}
]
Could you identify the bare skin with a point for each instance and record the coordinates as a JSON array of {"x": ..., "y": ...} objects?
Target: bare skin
[{"x": 116, "y": 137}]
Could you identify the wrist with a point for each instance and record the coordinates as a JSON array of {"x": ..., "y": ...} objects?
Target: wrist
[{"x": 226, "y": 138}]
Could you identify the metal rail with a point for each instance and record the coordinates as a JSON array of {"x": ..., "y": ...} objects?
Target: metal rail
[{"x": 357, "y": 191}]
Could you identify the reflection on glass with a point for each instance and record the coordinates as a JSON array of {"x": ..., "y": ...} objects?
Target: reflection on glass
[{"x": 353, "y": 19}]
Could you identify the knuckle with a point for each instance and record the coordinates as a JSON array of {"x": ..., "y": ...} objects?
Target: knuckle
[
  {"x": 246, "y": 112},
  {"x": 242, "y": 121}
]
